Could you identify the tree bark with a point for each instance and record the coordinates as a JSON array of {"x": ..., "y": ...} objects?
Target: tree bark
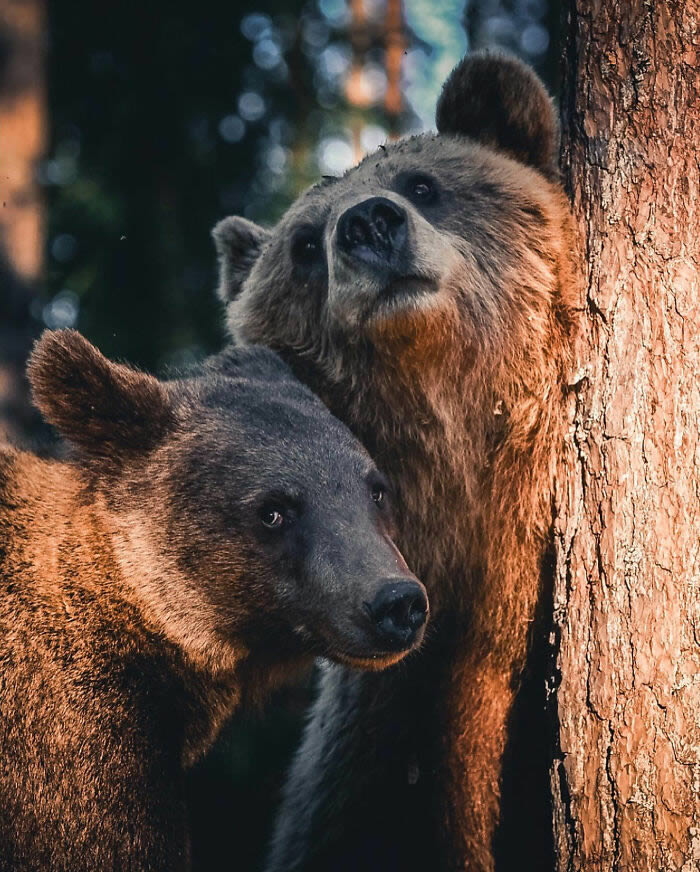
[
  {"x": 626, "y": 782},
  {"x": 22, "y": 142}
]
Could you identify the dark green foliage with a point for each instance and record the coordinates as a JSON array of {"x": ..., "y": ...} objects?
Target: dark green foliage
[{"x": 139, "y": 171}]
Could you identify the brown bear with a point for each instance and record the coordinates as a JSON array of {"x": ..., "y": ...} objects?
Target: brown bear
[
  {"x": 427, "y": 297},
  {"x": 207, "y": 536}
]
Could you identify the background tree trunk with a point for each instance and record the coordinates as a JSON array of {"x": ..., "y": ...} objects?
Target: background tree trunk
[
  {"x": 626, "y": 602},
  {"x": 22, "y": 142}
]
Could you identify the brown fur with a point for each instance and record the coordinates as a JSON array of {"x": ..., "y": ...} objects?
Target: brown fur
[
  {"x": 138, "y": 605},
  {"x": 91, "y": 692},
  {"x": 458, "y": 392}
]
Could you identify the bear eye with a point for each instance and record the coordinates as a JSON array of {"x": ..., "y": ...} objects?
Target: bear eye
[
  {"x": 421, "y": 189},
  {"x": 378, "y": 493},
  {"x": 272, "y": 517},
  {"x": 306, "y": 248}
]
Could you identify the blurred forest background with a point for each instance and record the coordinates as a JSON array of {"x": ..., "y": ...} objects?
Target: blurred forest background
[{"x": 126, "y": 131}]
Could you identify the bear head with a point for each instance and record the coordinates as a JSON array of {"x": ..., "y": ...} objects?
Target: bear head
[
  {"x": 460, "y": 233},
  {"x": 244, "y": 516}
]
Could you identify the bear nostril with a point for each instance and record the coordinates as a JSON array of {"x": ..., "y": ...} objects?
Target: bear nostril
[
  {"x": 373, "y": 228},
  {"x": 386, "y": 218},
  {"x": 357, "y": 232},
  {"x": 417, "y": 613},
  {"x": 399, "y": 610}
]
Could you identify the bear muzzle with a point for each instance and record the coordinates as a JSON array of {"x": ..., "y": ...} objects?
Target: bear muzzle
[{"x": 374, "y": 232}]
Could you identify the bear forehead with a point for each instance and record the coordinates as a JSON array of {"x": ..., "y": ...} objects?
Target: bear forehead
[
  {"x": 273, "y": 445},
  {"x": 451, "y": 159},
  {"x": 266, "y": 412}
]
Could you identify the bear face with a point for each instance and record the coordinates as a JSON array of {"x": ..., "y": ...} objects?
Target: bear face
[
  {"x": 459, "y": 233},
  {"x": 243, "y": 514}
]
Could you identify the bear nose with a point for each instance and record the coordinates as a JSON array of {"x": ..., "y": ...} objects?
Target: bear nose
[
  {"x": 372, "y": 230},
  {"x": 399, "y": 611}
]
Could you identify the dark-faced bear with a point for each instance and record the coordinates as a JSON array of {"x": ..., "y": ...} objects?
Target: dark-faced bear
[
  {"x": 426, "y": 296},
  {"x": 207, "y": 537}
]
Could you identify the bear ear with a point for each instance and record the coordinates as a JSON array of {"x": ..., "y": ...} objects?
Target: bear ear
[
  {"x": 500, "y": 102},
  {"x": 103, "y": 407},
  {"x": 238, "y": 244}
]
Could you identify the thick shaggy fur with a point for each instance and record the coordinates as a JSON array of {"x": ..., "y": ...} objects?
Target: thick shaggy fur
[
  {"x": 141, "y": 598},
  {"x": 451, "y": 371}
]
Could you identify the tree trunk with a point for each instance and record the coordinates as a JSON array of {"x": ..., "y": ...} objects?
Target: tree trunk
[
  {"x": 22, "y": 135},
  {"x": 626, "y": 603}
]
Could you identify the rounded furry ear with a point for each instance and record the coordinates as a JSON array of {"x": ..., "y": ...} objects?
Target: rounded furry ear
[
  {"x": 238, "y": 244},
  {"x": 105, "y": 408},
  {"x": 500, "y": 102}
]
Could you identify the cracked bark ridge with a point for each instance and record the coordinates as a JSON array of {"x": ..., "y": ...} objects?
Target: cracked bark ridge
[{"x": 627, "y": 602}]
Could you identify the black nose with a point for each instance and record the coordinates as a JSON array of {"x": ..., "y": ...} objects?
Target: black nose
[
  {"x": 399, "y": 611},
  {"x": 373, "y": 231}
]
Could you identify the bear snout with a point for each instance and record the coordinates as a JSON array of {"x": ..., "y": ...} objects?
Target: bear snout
[
  {"x": 398, "y": 612},
  {"x": 373, "y": 231}
]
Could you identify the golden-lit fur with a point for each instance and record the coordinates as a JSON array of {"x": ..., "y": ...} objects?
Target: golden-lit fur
[
  {"x": 453, "y": 375},
  {"x": 85, "y": 784},
  {"x": 477, "y": 430}
]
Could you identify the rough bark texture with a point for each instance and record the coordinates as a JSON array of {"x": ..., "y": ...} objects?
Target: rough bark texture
[{"x": 627, "y": 781}]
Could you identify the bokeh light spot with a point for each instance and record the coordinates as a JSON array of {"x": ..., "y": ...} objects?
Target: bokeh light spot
[
  {"x": 62, "y": 311},
  {"x": 335, "y": 155},
  {"x": 63, "y": 247},
  {"x": 267, "y": 54},
  {"x": 372, "y": 137},
  {"x": 256, "y": 26},
  {"x": 534, "y": 40},
  {"x": 251, "y": 106},
  {"x": 232, "y": 128}
]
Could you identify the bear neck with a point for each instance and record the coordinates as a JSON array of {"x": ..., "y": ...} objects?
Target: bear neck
[{"x": 477, "y": 425}]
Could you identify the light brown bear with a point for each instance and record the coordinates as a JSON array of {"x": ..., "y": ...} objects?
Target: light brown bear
[
  {"x": 427, "y": 297},
  {"x": 207, "y": 537}
]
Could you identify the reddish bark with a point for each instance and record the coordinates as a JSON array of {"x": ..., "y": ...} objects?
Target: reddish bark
[{"x": 627, "y": 601}]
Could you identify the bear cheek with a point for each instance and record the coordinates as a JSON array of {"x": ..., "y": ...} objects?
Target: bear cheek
[{"x": 249, "y": 317}]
